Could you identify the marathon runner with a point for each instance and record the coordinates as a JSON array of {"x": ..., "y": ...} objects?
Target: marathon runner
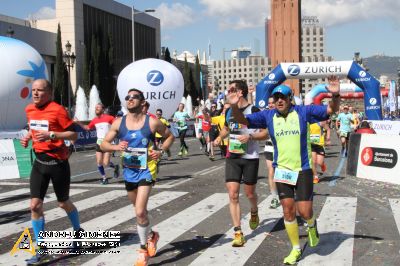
[
  {"x": 344, "y": 120},
  {"x": 288, "y": 127},
  {"x": 49, "y": 126},
  {"x": 180, "y": 117},
  {"x": 318, "y": 140},
  {"x": 159, "y": 139},
  {"x": 102, "y": 122},
  {"x": 135, "y": 131},
  {"x": 243, "y": 160}
]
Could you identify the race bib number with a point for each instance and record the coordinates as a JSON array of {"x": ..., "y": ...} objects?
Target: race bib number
[
  {"x": 135, "y": 158},
  {"x": 235, "y": 146},
  {"x": 181, "y": 123},
  {"x": 39, "y": 125},
  {"x": 286, "y": 176},
  {"x": 315, "y": 138}
]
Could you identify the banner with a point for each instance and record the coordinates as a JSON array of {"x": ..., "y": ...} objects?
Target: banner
[
  {"x": 385, "y": 127},
  {"x": 378, "y": 158},
  {"x": 392, "y": 96},
  {"x": 15, "y": 160}
]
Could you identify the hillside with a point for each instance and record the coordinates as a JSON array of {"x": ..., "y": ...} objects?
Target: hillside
[{"x": 383, "y": 65}]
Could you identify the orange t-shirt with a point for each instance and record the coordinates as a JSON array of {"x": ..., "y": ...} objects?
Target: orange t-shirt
[{"x": 51, "y": 117}]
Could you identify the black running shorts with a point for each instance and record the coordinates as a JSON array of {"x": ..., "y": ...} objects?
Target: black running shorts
[
  {"x": 269, "y": 156},
  {"x": 318, "y": 149},
  {"x": 239, "y": 169},
  {"x": 59, "y": 174},
  {"x": 129, "y": 186},
  {"x": 304, "y": 187}
]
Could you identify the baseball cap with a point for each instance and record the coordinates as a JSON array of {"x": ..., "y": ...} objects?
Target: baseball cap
[{"x": 285, "y": 90}]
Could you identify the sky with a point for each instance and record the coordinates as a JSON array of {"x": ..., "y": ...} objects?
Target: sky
[{"x": 370, "y": 27}]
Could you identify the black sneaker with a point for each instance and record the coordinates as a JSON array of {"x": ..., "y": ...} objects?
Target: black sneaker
[
  {"x": 104, "y": 181},
  {"x": 38, "y": 259},
  {"x": 116, "y": 171}
]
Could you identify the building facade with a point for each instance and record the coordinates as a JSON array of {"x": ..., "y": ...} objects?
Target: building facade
[
  {"x": 285, "y": 30},
  {"x": 80, "y": 20}
]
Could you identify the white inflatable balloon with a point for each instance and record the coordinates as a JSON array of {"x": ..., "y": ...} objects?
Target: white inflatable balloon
[
  {"x": 160, "y": 82},
  {"x": 21, "y": 65}
]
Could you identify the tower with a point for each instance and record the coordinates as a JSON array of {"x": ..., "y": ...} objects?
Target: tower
[{"x": 285, "y": 35}]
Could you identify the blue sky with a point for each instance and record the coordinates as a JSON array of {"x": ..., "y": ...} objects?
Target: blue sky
[{"x": 367, "y": 26}]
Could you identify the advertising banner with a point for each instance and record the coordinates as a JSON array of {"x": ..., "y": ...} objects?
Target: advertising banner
[
  {"x": 385, "y": 127},
  {"x": 378, "y": 158},
  {"x": 8, "y": 160}
]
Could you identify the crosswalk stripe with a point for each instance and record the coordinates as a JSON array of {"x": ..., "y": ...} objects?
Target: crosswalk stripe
[
  {"x": 336, "y": 224},
  {"x": 103, "y": 222},
  {"x": 53, "y": 214},
  {"x": 169, "y": 229},
  {"x": 14, "y": 193},
  {"x": 395, "y": 205},
  {"x": 24, "y": 204},
  {"x": 222, "y": 252}
]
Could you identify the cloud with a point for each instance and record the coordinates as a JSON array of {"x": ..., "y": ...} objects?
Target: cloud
[
  {"x": 45, "y": 12},
  {"x": 237, "y": 14},
  {"x": 337, "y": 12},
  {"x": 174, "y": 16}
]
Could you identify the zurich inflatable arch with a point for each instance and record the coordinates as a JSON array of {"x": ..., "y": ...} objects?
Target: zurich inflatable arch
[{"x": 350, "y": 69}]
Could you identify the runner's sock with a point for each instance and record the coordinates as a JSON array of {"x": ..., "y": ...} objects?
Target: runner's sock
[
  {"x": 311, "y": 221},
  {"x": 74, "y": 218},
  {"x": 237, "y": 228},
  {"x": 292, "y": 229},
  {"x": 101, "y": 170},
  {"x": 111, "y": 164},
  {"x": 37, "y": 225},
  {"x": 143, "y": 232}
]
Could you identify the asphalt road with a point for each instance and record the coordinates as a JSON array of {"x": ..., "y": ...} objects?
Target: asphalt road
[{"x": 189, "y": 207}]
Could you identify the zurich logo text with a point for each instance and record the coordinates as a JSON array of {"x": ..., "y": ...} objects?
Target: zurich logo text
[
  {"x": 294, "y": 70},
  {"x": 271, "y": 76},
  {"x": 155, "y": 78}
]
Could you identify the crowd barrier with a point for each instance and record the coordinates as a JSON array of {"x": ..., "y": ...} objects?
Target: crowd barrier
[
  {"x": 385, "y": 127},
  {"x": 374, "y": 157}
]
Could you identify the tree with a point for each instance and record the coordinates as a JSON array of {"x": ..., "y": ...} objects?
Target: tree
[
  {"x": 197, "y": 82},
  {"x": 167, "y": 56},
  {"x": 86, "y": 73},
  {"x": 186, "y": 78},
  {"x": 59, "y": 81}
]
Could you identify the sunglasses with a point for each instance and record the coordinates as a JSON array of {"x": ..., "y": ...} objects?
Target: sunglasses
[
  {"x": 158, "y": 113},
  {"x": 278, "y": 96},
  {"x": 232, "y": 90},
  {"x": 133, "y": 97}
]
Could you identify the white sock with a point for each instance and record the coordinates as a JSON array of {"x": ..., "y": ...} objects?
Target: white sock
[{"x": 143, "y": 232}]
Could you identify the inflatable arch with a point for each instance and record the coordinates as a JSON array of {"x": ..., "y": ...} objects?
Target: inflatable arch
[
  {"x": 349, "y": 69},
  {"x": 347, "y": 91}
]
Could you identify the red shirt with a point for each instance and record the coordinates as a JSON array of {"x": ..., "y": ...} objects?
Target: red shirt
[
  {"x": 205, "y": 125},
  {"x": 51, "y": 117},
  {"x": 102, "y": 124}
]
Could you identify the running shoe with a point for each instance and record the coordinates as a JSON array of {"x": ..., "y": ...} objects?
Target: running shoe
[
  {"x": 313, "y": 236},
  {"x": 254, "y": 220},
  {"x": 185, "y": 151},
  {"x": 104, "y": 181},
  {"x": 323, "y": 167},
  {"x": 152, "y": 244},
  {"x": 274, "y": 203},
  {"x": 116, "y": 171},
  {"x": 293, "y": 258},
  {"x": 316, "y": 179},
  {"x": 38, "y": 259},
  {"x": 212, "y": 158},
  {"x": 238, "y": 240},
  {"x": 143, "y": 258}
]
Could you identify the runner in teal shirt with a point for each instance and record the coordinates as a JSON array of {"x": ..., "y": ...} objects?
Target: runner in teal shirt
[{"x": 180, "y": 117}]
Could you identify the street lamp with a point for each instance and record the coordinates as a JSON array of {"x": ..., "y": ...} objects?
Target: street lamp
[
  {"x": 69, "y": 60},
  {"x": 133, "y": 28}
]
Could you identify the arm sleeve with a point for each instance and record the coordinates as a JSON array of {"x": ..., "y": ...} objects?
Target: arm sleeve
[
  {"x": 63, "y": 119},
  {"x": 316, "y": 113},
  {"x": 257, "y": 120}
]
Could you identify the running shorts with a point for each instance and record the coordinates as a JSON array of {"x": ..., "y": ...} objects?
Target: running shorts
[
  {"x": 241, "y": 170},
  {"x": 304, "y": 187},
  {"x": 269, "y": 156},
  {"x": 129, "y": 186},
  {"x": 318, "y": 149}
]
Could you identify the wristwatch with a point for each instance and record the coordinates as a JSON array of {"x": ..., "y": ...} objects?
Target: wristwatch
[{"x": 52, "y": 135}]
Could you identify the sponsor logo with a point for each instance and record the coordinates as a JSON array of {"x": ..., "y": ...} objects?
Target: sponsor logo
[
  {"x": 362, "y": 73},
  {"x": 144, "y": 141},
  {"x": 379, "y": 157},
  {"x": 372, "y": 101},
  {"x": 155, "y": 78},
  {"x": 374, "y": 107},
  {"x": 156, "y": 95},
  {"x": 322, "y": 69},
  {"x": 261, "y": 103},
  {"x": 7, "y": 158},
  {"x": 271, "y": 76},
  {"x": 270, "y": 82},
  {"x": 294, "y": 70},
  {"x": 363, "y": 76},
  {"x": 377, "y": 126}
]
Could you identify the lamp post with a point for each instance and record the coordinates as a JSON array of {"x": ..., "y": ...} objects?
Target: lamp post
[
  {"x": 69, "y": 60},
  {"x": 133, "y": 28}
]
